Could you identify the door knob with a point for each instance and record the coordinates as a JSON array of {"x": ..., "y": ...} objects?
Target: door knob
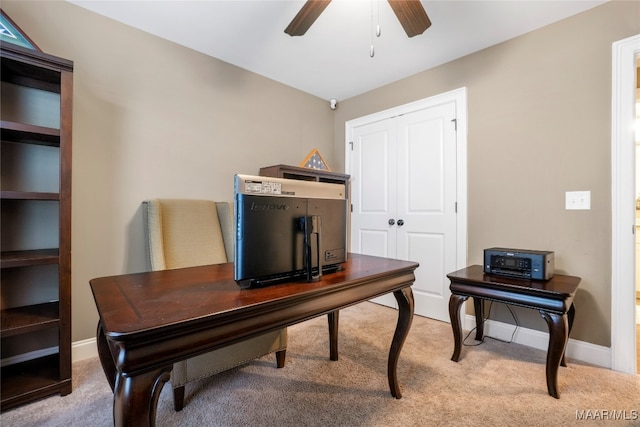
[
  {"x": 400, "y": 222},
  {"x": 392, "y": 221}
]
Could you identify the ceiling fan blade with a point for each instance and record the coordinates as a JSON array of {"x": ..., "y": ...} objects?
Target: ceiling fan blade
[
  {"x": 306, "y": 17},
  {"x": 411, "y": 15}
]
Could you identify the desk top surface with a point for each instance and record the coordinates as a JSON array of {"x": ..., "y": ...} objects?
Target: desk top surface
[
  {"x": 559, "y": 286},
  {"x": 132, "y": 303}
]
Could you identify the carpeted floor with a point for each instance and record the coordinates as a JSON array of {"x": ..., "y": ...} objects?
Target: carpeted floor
[{"x": 494, "y": 384}]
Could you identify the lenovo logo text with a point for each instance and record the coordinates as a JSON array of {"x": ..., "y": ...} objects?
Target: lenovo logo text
[{"x": 268, "y": 207}]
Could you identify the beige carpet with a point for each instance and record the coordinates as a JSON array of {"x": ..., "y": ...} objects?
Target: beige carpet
[{"x": 495, "y": 384}]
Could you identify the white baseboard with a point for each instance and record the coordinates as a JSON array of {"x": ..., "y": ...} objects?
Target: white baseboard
[
  {"x": 579, "y": 350},
  {"x": 84, "y": 349}
]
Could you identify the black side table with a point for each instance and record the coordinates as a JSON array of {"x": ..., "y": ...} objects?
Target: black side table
[{"x": 553, "y": 298}]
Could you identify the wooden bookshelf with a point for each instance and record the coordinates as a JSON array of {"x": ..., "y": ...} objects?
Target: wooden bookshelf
[{"x": 35, "y": 256}]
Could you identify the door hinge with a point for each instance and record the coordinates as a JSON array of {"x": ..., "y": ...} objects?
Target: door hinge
[
  {"x": 456, "y": 207},
  {"x": 351, "y": 144},
  {"x": 455, "y": 124}
]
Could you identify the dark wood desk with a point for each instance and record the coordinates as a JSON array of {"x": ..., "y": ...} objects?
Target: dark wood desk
[
  {"x": 148, "y": 321},
  {"x": 552, "y": 298}
]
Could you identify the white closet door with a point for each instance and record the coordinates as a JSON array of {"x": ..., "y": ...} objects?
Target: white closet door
[
  {"x": 373, "y": 184},
  {"x": 426, "y": 207},
  {"x": 403, "y": 169},
  {"x": 373, "y": 192}
]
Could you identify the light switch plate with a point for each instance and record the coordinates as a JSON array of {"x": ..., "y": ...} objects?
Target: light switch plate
[{"x": 578, "y": 200}]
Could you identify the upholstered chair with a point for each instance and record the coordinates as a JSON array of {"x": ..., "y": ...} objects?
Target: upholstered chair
[{"x": 187, "y": 233}]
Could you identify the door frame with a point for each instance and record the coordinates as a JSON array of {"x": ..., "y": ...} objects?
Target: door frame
[
  {"x": 459, "y": 97},
  {"x": 623, "y": 159}
]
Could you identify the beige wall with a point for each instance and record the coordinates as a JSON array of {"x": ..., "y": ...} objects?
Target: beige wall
[
  {"x": 539, "y": 113},
  {"x": 153, "y": 119}
]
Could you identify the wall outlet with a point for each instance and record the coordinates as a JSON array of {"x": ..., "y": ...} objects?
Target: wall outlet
[{"x": 578, "y": 200}]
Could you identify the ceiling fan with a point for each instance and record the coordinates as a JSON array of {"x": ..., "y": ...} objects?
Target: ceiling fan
[{"x": 410, "y": 13}]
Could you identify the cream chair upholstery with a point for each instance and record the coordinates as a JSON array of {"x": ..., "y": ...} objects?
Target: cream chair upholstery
[{"x": 186, "y": 233}]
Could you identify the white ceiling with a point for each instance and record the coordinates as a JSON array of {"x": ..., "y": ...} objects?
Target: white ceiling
[{"x": 332, "y": 59}]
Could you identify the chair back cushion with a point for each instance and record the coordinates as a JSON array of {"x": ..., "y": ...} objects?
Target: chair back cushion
[
  {"x": 184, "y": 233},
  {"x": 225, "y": 216}
]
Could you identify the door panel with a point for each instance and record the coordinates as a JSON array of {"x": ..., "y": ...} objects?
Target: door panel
[
  {"x": 430, "y": 290},
  {"x": 374, "y": 172},
  {"x": 374, "y": 242},
  {"x": 424, "y": 160}
]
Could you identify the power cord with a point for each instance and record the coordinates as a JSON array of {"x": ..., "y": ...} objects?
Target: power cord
[{"x": 515, "y": 318}]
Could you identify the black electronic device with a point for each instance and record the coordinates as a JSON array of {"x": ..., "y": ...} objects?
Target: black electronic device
[
  {"x": 519, "y": 263},
  {"x": 287, "y": 229}
]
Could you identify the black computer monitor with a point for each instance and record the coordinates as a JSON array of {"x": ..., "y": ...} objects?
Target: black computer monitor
[{"x": 287, "y": 229}]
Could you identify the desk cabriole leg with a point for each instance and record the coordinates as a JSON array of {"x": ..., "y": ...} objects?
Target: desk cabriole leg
[
  {"x": 106, "y": 359},
  {"x": 455, "y": 303},
  {"x": 571, "y": 314},
  {"x": 558, "y": 336},
  {"x": 478, "y": 307},
  {"x": 333, "y": 317},
  {"x": 135, "y": 398},
  {"x": 405, "y": 317}
]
